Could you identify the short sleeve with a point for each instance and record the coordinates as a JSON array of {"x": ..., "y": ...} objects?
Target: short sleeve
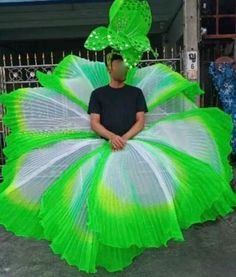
[
  {"x": 94, "y": 104},
  {"x": 141, "y": 105}
]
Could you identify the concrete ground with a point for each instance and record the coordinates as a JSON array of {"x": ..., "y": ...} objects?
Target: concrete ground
[{"x": 209, "y": 250}]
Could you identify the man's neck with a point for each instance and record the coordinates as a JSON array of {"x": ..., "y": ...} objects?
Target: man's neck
[{"x": 116, "y": 84}]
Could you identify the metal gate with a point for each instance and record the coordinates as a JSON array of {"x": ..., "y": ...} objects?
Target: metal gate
[{"x": 19, "y": 70}]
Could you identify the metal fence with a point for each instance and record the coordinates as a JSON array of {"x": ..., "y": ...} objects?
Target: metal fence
[{"x": 19, "y": 70}]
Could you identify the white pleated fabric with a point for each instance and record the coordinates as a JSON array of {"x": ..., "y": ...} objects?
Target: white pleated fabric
[{"x": 39, "y": 168}]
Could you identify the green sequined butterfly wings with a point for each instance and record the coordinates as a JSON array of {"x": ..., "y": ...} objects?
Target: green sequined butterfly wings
[{"x": 129, "y": 24}]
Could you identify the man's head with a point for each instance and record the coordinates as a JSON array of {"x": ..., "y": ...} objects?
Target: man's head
[{"x": 116, "y": 67}]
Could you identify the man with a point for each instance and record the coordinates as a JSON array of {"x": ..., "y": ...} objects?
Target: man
[{"x": 117, "y": 109}]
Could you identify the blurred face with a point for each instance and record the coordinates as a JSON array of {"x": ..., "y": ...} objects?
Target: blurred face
[{"x": 118, "y": 71}]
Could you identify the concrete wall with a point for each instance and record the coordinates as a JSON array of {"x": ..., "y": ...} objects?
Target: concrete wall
[{"x": 175, "y": 32}]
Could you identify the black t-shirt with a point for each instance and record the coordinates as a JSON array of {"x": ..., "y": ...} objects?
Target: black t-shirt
[{"x": 117, "y": 106}]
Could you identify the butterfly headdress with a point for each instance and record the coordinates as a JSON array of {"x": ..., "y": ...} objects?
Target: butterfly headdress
[{"x": 129, "y": 24}]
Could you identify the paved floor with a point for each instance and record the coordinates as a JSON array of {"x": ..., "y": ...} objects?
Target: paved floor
[{"x": 209, "y": 250}]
